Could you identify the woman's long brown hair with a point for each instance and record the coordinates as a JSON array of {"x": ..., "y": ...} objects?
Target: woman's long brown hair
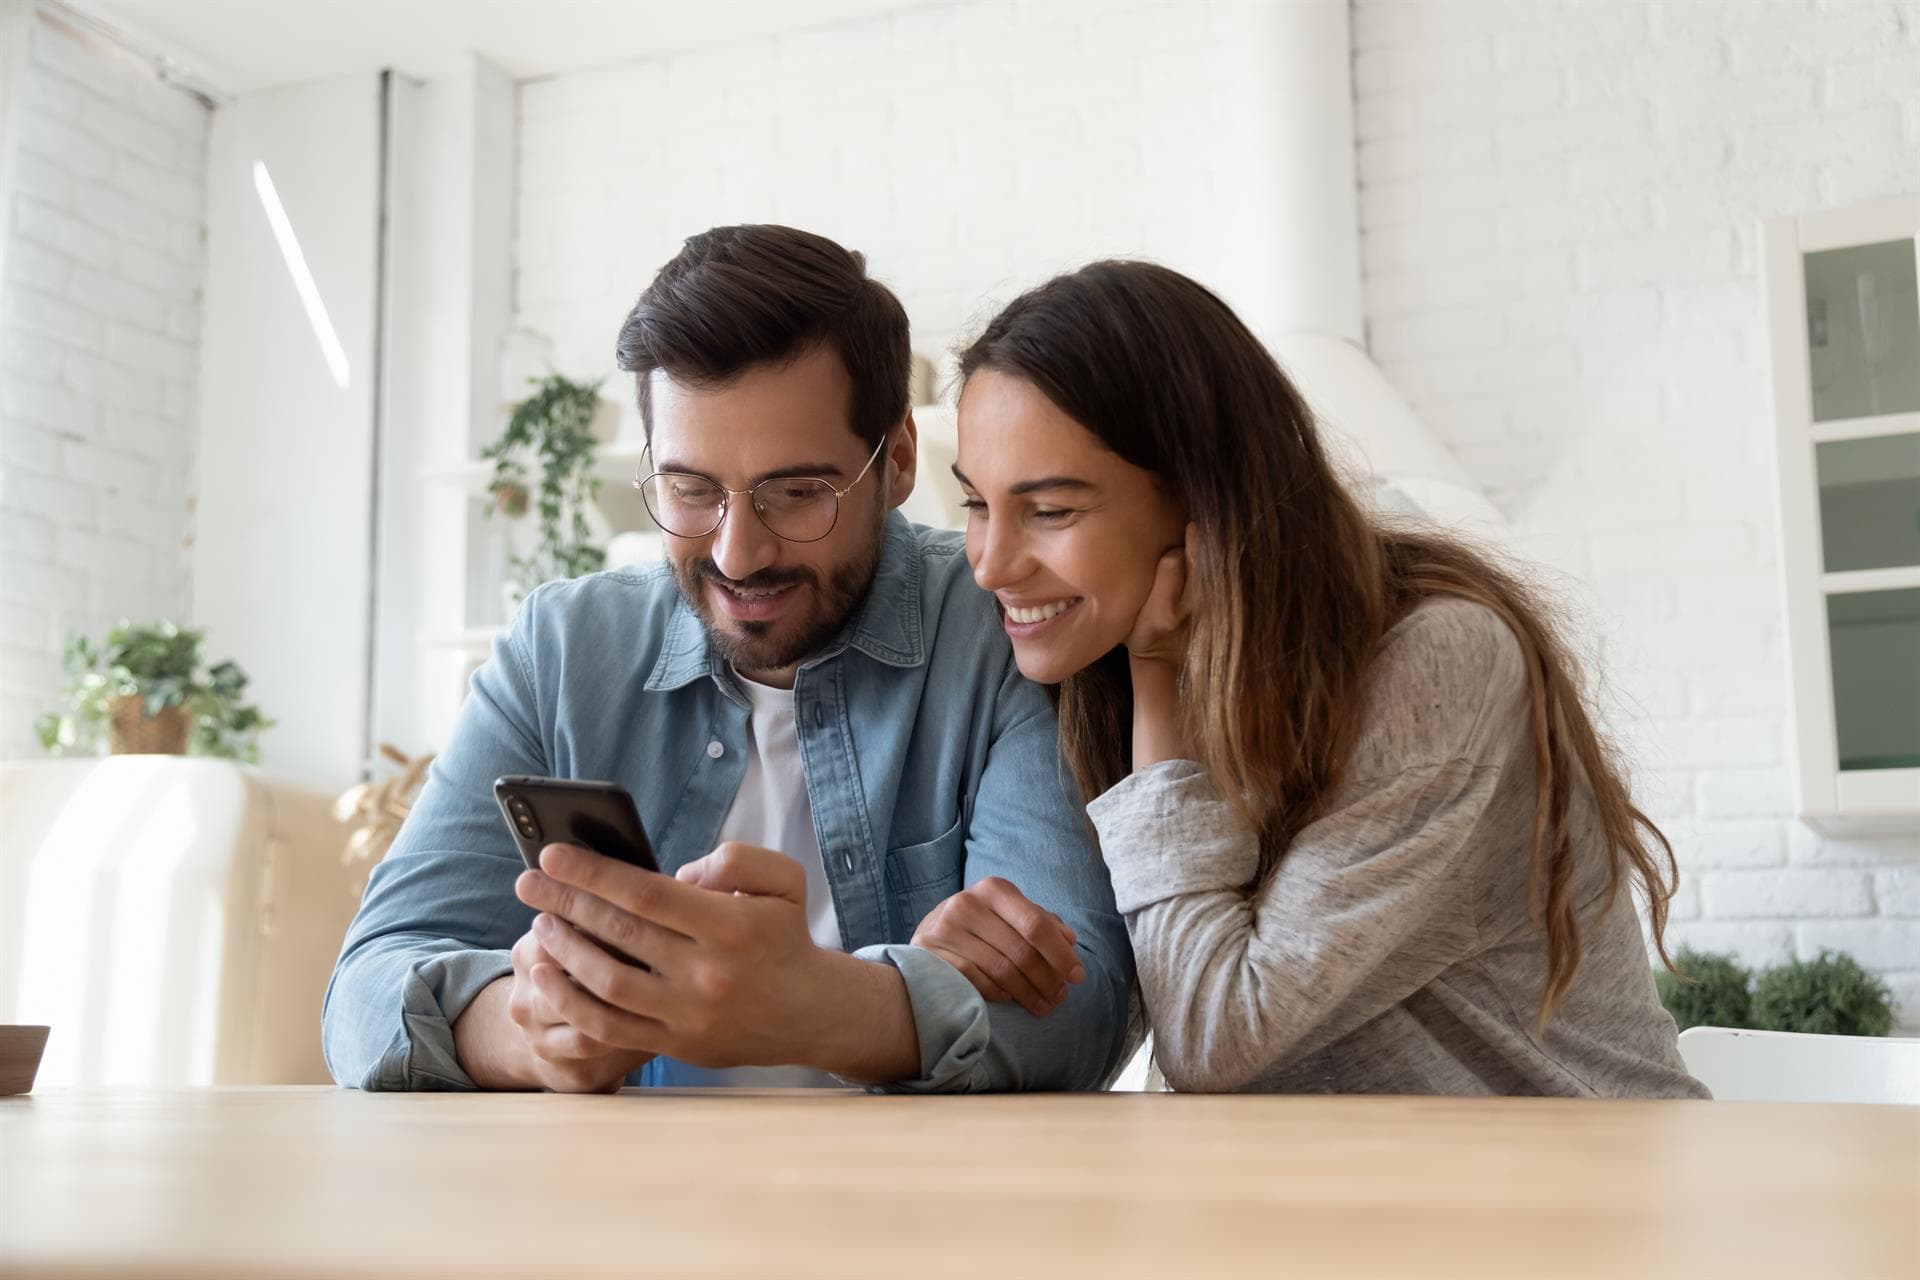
[{"x": 1295, "y": 585}]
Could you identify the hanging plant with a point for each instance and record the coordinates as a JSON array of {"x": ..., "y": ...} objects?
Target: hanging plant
[{"x": 552, "y": 429}]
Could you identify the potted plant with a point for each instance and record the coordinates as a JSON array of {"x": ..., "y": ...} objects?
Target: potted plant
[
  {"x": 144, "y": 686},
  {"x": 1709, "y": 991},
  {"x": 552, "y": 429},
  {"x": 1830, "y": 994}
]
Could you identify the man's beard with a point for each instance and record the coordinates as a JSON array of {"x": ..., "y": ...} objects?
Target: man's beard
[{"x": 755, "y": 646}]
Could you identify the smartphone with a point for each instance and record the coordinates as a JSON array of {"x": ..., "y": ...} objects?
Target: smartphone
[{"x": 597, "y": 815}]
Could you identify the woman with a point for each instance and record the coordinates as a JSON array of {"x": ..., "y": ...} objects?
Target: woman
[{"x": 1363, "y": 830}]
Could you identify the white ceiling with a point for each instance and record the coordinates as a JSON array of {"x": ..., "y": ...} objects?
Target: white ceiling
[{"x": 235, "y": 46}]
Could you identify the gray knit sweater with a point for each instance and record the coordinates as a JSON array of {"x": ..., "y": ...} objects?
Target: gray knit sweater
[{"x": 1391, "y": 952}]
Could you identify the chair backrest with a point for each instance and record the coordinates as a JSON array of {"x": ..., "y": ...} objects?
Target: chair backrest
[
  {"x": 1789, "y": 1066},
  {"x": 174, "y": 920}
]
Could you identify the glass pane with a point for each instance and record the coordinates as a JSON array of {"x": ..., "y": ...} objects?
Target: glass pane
[
  {"x": 1863, "y": 331},
  {"x": 1875, "y": 644},
  {"x": 1869, "y": 502}
]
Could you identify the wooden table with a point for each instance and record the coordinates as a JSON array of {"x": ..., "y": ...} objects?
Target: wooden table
[{"x": 310, "y": 1182}]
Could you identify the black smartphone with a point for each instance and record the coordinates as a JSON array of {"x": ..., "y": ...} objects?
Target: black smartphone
[{"x": 597, "y": 815}]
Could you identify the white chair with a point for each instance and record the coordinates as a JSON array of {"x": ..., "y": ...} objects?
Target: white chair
[{"x": 1788, "y": 1066}]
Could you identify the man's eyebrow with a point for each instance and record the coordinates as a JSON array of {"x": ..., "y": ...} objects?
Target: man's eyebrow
[
  {"x": 1036, "y": 485},
  {"x": 809, "y": 470}
]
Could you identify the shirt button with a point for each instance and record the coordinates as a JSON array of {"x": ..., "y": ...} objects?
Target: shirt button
[
  {"x": 715, "y": 750},
  {"x": 847, "y": 855}
]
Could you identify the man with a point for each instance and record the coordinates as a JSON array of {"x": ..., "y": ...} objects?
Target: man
[{"x": 817, "y": 712}]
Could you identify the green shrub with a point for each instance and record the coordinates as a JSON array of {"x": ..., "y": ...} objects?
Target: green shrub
[
  {"x": 1709, "y": 991},
  {"x": 1830, "y": 994}
]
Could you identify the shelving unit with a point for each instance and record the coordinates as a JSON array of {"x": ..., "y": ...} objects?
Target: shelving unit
[
  {"x": 1843, "y": 293},
  {"x": 488, "y": 540}
]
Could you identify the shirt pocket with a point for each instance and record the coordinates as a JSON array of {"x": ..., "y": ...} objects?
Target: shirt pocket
[{"x": 922, "y": 876}]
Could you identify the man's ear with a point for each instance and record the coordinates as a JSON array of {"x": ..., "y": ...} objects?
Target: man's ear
[{"x": 901, "y": 461}]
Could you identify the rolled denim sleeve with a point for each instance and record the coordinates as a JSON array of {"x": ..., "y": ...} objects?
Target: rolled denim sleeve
[
  {"x": 1027, "y": 827},
  {"x": 950, "y": 1019},
  {"x": 439, "y": 916},
  {"x": 435, "y": 988}
]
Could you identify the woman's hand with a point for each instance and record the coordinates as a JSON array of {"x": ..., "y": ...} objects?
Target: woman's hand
[
  {"x": 1005, "y": 945},
  {"x": 1160, "y": 632},
  {"x": 1156, "y": 649}
]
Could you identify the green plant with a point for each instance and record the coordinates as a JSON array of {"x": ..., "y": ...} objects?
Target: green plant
[
  {"x": 1709, "y": 991},
  {"x": 553, "y": 427},
  {"x": 1829, "y": 994},
  {"x": 160, "y": 664}
]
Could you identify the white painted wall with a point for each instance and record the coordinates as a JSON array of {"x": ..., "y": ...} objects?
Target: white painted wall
[
  {"x": 102, "y": 175},
  {"x": 1560, "y": 207},
  {"x": 281, "y": 577}
]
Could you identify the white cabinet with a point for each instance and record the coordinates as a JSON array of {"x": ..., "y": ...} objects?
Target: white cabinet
[{"x": 1843, "y": 295}]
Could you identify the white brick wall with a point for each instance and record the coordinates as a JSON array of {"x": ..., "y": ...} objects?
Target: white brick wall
[
  {"x": 99, "y": 329},
  {"x": 1559, "y": 206},
  {"x": 968, "y": 149}
]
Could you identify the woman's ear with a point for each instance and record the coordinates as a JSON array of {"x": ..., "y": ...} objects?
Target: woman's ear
[{"x": 902, "y": 458}]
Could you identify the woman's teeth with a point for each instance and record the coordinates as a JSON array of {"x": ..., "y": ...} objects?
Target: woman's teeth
[{"x": 1040, "y": 614}]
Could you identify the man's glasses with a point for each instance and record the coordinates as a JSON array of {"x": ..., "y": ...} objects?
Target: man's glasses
[{"x": 797, "y": 508}]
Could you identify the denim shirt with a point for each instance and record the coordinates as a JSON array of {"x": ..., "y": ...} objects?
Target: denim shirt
[{"x": 930, "y": 764}]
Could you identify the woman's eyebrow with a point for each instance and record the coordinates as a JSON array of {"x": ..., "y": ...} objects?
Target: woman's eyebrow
[
  {"x": 1036, "y": 485},
  {"x": 1052, "y": 482}
]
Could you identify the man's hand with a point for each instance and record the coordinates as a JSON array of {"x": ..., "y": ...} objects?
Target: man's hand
[
  {"x": 510, "y": 1038},
  {"x": 732, "y": 977},
  {"x": 1007, "y": 947},
  {"x": 564, "y": 1058}
]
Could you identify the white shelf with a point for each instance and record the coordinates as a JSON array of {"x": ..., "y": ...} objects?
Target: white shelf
[
  {"x": 1886, "y": 424},
  {"x": 1874, "y": 802},
  {"x": 1899, "y": 579},
  {"x": 476, "y": 640}
]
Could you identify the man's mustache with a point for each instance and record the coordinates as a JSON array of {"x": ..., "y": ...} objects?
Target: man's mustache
[{"x": 765, "y": 580}]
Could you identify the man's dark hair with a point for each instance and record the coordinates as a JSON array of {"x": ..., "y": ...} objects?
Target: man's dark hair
[{"x": 735, "y": 297}]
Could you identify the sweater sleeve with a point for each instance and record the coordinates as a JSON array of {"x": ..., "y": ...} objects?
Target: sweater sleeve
[{"x": 1237, "y": 977}]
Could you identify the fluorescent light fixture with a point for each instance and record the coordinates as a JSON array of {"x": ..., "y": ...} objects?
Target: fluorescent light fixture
[{"x": 302, "y": 278}]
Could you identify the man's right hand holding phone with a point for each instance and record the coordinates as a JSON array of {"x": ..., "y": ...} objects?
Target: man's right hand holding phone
[{"x": 728, "y": 1001}]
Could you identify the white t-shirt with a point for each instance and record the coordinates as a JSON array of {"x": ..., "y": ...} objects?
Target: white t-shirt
[{"x": 771, "y": 810}]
